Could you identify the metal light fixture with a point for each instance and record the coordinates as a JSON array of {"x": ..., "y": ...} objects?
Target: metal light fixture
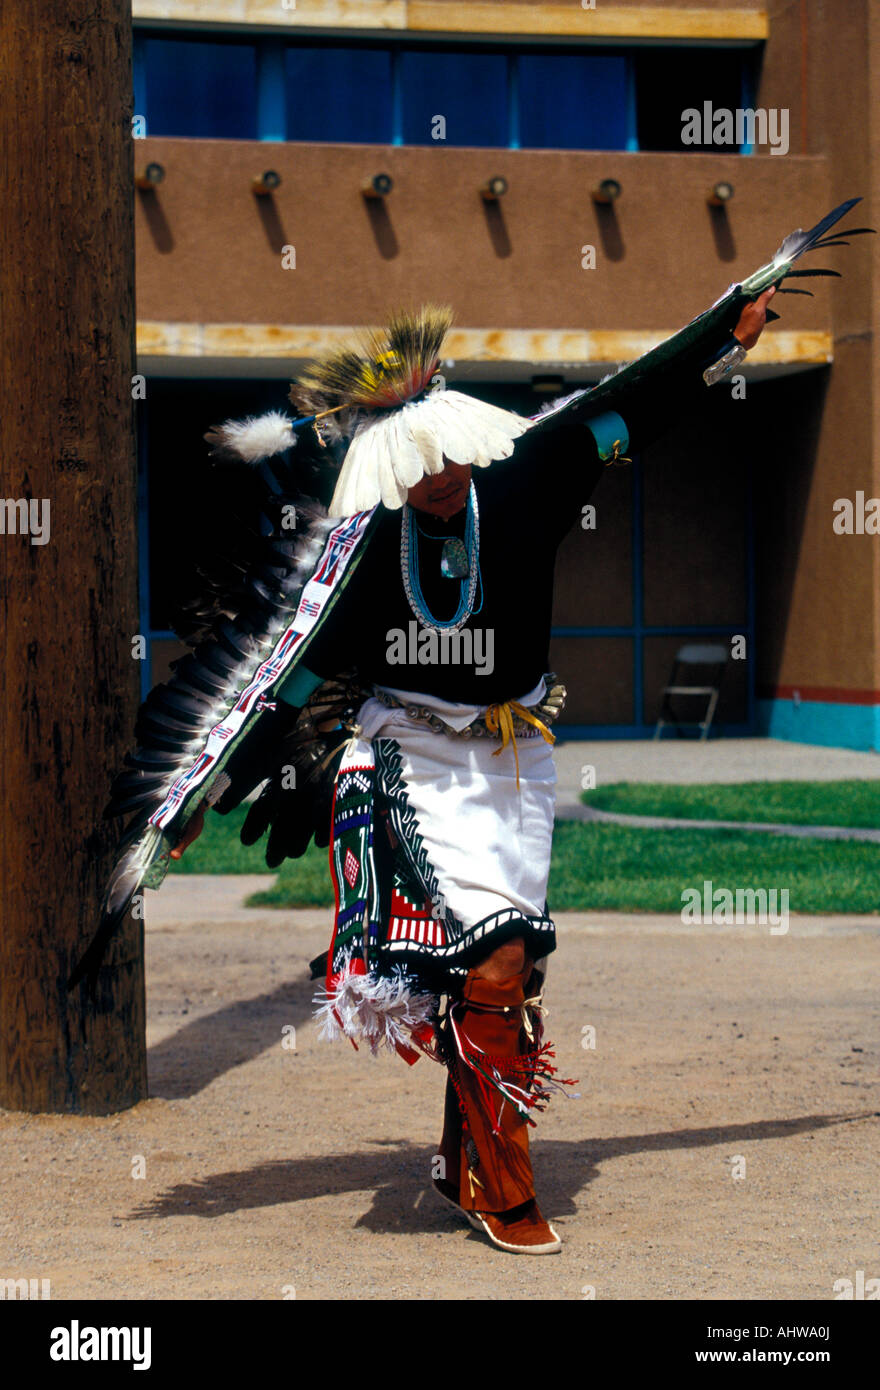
[
  {"x": 150, "y": 176},
  {"x": 379, "y": 186},
  {"x": 607, "y": 191},
  {"x": 266, "y": 183},
  {"x": 549, "y": 384},
  {"x": 494, "y": 188},
  {"x": 720, "y": 194}
]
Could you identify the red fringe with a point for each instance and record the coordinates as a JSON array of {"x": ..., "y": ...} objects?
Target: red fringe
[{"x": 532, "y": 1071}]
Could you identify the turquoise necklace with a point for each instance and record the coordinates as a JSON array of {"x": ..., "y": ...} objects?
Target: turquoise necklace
[{"x": 459, "y": 561}]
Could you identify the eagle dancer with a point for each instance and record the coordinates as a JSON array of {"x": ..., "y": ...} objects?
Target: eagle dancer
[{"x": 392, "y": 653}]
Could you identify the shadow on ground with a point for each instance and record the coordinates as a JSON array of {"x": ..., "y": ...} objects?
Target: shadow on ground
[
  {"x": 187, "y": 1061},
  {"x": 397, "y": 1173}
]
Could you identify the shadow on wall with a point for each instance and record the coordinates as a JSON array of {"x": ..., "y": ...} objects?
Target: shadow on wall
[{"x": 784, "y": 457}]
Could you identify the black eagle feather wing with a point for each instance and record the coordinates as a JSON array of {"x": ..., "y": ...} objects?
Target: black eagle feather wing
[
  {"x": 709, "y": 332},
  {"x": 251, "y": 571}
]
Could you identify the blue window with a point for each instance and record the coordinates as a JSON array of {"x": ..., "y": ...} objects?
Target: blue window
[
  {"x": 270, "y": 89},
  {"x": 469, "y": 90},
  {"x": 572, "y": 101},
  {"x": 204, "y": 90},
  {"x": 339, "y": 94}
]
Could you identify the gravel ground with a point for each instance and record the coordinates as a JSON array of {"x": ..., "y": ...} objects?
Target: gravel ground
[{"x": 723, "y": 1146}]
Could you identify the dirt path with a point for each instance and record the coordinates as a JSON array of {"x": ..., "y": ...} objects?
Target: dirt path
[{"x": 718, "y": 1051}]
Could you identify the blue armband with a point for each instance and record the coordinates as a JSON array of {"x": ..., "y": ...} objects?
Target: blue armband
[
  {"x": 298, "y": 686},
  {"x": 611, "y": 435}
]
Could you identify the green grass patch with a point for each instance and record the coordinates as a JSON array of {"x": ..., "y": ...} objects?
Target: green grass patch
[
  {"x": 853, "y": 803},
  {"x": 619, "y": 868},
  {"x": 218, "y": 850},
  {"x": 605, "y": 868},
  {"x": 302, "y": 882}
]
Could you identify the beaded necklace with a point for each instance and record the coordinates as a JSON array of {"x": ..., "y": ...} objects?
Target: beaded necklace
[{"x": 409, "y": 568}]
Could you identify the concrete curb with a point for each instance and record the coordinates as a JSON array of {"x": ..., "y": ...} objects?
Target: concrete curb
[{"x": 801, "y": 832}]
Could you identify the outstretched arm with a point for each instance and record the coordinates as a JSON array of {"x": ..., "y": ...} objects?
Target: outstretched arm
[
  {"x": 570, "y": 448},
  {"x": 668, "y": 397}
]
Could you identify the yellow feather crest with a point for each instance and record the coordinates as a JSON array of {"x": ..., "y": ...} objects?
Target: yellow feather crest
[{"x": 387, "y": 368}]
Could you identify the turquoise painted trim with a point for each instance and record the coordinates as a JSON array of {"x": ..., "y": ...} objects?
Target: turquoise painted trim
[
  {"x": 299, "y": 685},
  {"x": 271, "y": 91},
  {"x": 821, "y": 722},
  {"x": 139, "y": 80},
  {"x": 606, "y": 429},
  {"x": 746, "y": 100},
  {"x": 396, "y": 97},
  {"x": 632, "y": 123},
  {"x": 513, "y": 140}
]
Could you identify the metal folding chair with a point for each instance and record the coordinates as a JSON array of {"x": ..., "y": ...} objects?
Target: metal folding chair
[{"x": 697, "y": 669}]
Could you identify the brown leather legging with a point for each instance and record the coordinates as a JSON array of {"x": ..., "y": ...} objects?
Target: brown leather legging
[{"x": 490, "y": 1171}]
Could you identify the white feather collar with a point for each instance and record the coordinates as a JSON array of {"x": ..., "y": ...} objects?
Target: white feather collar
[{"x": 392, "y": 451}]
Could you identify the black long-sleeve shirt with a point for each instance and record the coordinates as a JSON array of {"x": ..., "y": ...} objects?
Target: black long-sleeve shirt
[{"x": 526, "y": 503}]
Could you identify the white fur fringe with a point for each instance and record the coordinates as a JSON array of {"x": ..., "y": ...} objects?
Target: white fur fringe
[
  {"x": 378, "y": 1010},
  {"x": 253, "y": 439}
]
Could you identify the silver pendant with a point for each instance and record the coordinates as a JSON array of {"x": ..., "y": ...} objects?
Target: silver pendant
[{"x": 454, "y": 559}]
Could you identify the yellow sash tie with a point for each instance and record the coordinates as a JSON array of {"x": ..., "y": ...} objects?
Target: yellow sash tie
[
  {"x": 500, "y": 718},
  {"x": 539, "y": 1008},
  {"x": 348, "y": 743},
  {"x": 616, "y": 455}
]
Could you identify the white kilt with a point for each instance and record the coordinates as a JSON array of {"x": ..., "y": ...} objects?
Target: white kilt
[{"x": 481, "y": 844}]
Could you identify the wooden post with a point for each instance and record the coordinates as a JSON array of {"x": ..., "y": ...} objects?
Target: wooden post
[{"x": 68, "y": 547}]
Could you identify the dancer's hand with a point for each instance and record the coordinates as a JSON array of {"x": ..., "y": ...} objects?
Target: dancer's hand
[
  {"x": 194, "y": 828},
  {"x": 753, "y": 319}
]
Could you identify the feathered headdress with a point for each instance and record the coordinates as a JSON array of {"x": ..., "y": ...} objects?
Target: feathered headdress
[
  {"x": 375, "y": 397},
  {"x": 386, "y": 369},
  {"x": 400, "y": 430}
]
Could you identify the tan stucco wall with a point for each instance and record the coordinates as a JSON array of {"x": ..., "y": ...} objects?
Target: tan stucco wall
[
  {"x": 819, "y": 590},
  {"x": 209, "y": 251}
]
